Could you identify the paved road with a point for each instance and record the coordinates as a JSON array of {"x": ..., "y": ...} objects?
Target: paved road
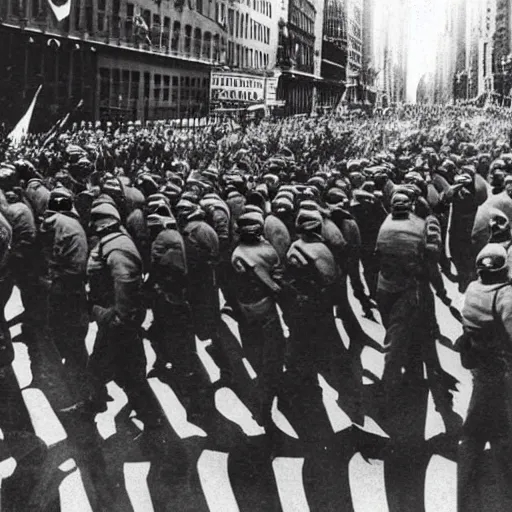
[{"x": 220, "y": 467}]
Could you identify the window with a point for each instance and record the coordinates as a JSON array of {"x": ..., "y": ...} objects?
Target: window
[
  {"x": 125, "y": 85},
  {"x": 35, "y": 7},
  {"x": 128, "y": 24},
  {"x": 207, "y": 45},
  {"x": 188, "y": 39},
  {"x": 104, "y": 85},
  {"x": 101, "y": 15},
  {"x": 174, "y": 91},
  {"x": 165, "y": 32},
  {"x": 77, "y": 19},
  {"x": 146, "y": 16},
  {"x": 199, "y": 6},
  {"x": 157, "y": 88},
  {"x": 147, "y": 85},
  {"x": 167, "y": 83},
  {"x": 231, "y": 18},
  {"x": 175, "y": 41},
  {"x": 237, "y": 23},
  {"x": 156, "y": 31},
  {"x": 88, "y": 16},
  {"x": 230, "y": 52},
  {"x": 115, "y": 25},
  {"x": 198, "y": 39},
  {"x": 134, "y": 89},
  {"x": 216, "y": 47}
]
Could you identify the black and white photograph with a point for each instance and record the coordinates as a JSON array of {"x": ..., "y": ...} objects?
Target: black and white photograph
[{"x": 256, "y": 255}]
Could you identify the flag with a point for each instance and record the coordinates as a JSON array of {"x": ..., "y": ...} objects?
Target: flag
[
  {"x": 60, "y": 125},
  {"x": 21, "y": 129},
  {"x": 61, "y": 8}
]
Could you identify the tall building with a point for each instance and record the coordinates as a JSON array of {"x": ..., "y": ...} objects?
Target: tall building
[
  {"x": 334, "y": 52},
  {"x": 502, "y": 49},
  {"x": 446, "y": 54},
  {"x": 137, "y": 59},
  {"x": 369, "y": 72},
  {"x": 460, "y": 79},
  {"x": 389, "y": 57},
  {"x": 296, "y": 55},
  {"x": 354, "y": 48},
  {"x": 245, "y": 78}
]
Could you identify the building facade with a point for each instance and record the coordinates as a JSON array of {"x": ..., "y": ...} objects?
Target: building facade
[
  {"x": 125, "y": 59},
  {"x": 502, "y": 51},
  {"x": 389, "y": 56},
  {"x": 296, "y": 55},
  {"x": 334, "y": 52},
  {"x": 248, "y": 71}
]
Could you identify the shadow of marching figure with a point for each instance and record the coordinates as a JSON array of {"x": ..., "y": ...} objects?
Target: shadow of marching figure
[
  {"x": 83, "y": 443},
  {"x": 20, "y": 443},
  {"x": 407, "y": 454},
  {"x": 326, "y": 467}
]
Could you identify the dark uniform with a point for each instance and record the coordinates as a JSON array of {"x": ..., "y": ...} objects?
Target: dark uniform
[
  {"x": 114, "y": 271},
  {"x": 256, "y": 264},
  {"x": 315, "y": 343},
  {"x": 25, "y": 265},
  {"x": 486, "y": 348},
  {"x": 403, "y": 292},
  {"x": 172, "y": 330},
  {"x": 6, "y": 349},
  {"x": 64, "y": 245}
]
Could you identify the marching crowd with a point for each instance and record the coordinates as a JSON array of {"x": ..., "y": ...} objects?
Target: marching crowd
[{"x": 102, "y": 223}]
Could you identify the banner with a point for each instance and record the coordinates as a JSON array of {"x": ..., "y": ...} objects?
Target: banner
[
  {"x": 21, "y": 129},
  {"x": 236, "y": 90},
  {"x": 61, "y": 8}
]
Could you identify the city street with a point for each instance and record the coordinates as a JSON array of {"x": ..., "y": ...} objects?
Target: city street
[{"x": 222, "y": 471}]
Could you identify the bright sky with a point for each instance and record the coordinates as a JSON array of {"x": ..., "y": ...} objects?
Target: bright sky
[
  {"x": 422, "y": 21},
  {"x": 425, "y": 20}
]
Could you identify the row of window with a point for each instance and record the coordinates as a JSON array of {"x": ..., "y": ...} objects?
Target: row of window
[
  {"x": 304, "y": 6},
  {"x": 302, "y": 21},
  {"x": 354, "y": 56},
  {"x": 262, "y": 6},
  {"x": 241, "y": 25},
  {"x": 355, "y": 29},
  {"x": 122, "y": 87},
  {"x": 243, "y": 57}
]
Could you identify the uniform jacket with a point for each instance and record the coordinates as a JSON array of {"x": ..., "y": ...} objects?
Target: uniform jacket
[
  {"x": 168, "y": 271},
  {"x": 64, "y": 245},
  {"x": 276, "y": 232},
  {"x": 114, "y": 271},
  {"x": 400, "y": 248}
]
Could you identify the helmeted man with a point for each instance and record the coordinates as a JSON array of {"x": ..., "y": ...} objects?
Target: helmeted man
[
  {"x": 501, "y": 233},
  {"x": 23, "y": 261},
  {"x": 64, "y": 245},
  {"x": 172, "y": 330},
  {"x": 276, "y": 225},
  {"x": 256, "y": 272},
  {"x": 408, "y": 250},
  {"x": 486, "y": 349},
  {"x": 218, "y": 216},
  {"x": 315, "y": 345},
  {"x": 114, "y": 272},
  {"x": 369, "y": 215},
  {"x": 464, "y": 204}
]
